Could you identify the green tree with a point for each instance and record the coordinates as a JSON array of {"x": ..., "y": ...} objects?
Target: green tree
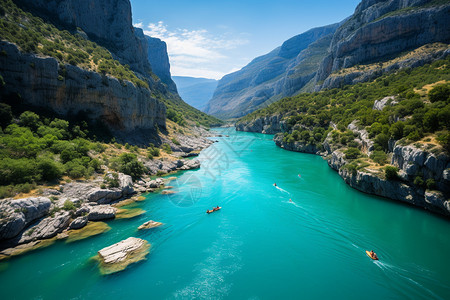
[
  {"x": 440, "y": 93},
  {"x": 128, "y": 163},
  {"x": 29, "y": 119},
  {"x": 390, "y": 172},
  {"x": 49, "y": 169}
]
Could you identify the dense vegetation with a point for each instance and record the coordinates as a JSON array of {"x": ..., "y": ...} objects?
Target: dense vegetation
[
  {"x": 419, "y": 113},
  {"x": 179, "y": 111},
  {"x": 308, "y": 116},
  {"x": 38, "y": 150}
]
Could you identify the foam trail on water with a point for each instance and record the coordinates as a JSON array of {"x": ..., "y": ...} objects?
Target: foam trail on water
[{"x": 282, "y": 190}]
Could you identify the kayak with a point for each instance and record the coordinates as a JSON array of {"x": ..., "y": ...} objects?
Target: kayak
[
  {"x": 374, "y": 257},
  {"x": 213, "y": 210}
]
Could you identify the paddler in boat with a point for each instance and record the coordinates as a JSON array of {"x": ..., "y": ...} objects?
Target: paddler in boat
[
  {"x": 373, "y": 254},
  {"x": 275, "y": 184}
]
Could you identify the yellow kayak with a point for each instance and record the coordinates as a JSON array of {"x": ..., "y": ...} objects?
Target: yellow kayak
[
  {"x": 374, "y": 256},
  {"x": 213, "y": 210}
]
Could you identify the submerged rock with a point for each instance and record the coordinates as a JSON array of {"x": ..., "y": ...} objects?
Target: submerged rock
[
  {"x": 149, "y": 224},
  {"x": 24, "y": 248},
  {"x": 128, "y": 213},
  {"x": 91, "y": 229},
  {"x": 117, "y": 257}
]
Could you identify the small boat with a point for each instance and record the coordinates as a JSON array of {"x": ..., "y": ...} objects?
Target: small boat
[
  {"x": 213, "y": 210},
  {"x": 374, "y": 256}
]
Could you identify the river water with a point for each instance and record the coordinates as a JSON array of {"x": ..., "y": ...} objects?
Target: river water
[{"x": 260, "y": 245}]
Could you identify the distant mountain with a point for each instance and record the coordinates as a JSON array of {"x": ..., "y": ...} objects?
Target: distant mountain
[
  {"x": 282, "y": 72},
  {"x": 195, "y": 91}
]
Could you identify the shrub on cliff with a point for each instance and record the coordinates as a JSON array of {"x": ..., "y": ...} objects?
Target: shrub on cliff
[
  {"x": 352, "y": 153},
  {"x": 112, "y": 180},
  {"x": 153, "y": 151},
  {"x": 440, "y": 93},
  {"x": 379, "y": 157},
  {"x": 431, "y": 184},
  {"x": 128, "y": 163},
  {"x": 390, "y": 172},
  {"x": 166, "y": 148}
]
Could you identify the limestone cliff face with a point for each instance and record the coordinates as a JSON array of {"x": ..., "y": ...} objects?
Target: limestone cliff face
[
  {"x": 108, "y": 22},
  {"x": 122, "y": 106},
  {"x": 282, "y": 72},
  {"x": 159, "y": 61},
  {"x": 267, "y": 125},
  {"x": 380, "y": 29},
  {"x": 415, "y": 161}
]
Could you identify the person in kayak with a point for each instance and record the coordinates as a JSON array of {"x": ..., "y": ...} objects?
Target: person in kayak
[
  {"x": 373, "y": 254},
  {"x": 275, "y": 184}
]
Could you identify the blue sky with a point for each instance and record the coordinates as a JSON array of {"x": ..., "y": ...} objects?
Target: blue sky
[{"x": 213, "y": 38}]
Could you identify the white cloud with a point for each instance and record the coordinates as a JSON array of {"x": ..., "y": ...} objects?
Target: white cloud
[
  {"x": 139, "y": 25},
  {"x": 195, "y": 52}
]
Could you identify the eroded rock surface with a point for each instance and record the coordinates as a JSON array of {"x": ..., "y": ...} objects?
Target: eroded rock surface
[{"x": 118, "y": 256}]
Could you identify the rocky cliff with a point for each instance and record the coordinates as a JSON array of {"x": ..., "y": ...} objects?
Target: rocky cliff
[
  {"x": 122, "y": 106},
  {"x": 382, "y": 29},
  {"x": 282, "y": 72},
  {"x": 159, "y": 61},
  {"x": 107, "y": 22}
]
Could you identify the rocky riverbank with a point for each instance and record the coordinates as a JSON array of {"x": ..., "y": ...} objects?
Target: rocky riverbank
[
  {"x": 58, "y": 211},
  {"x": 420, "y": 158}
]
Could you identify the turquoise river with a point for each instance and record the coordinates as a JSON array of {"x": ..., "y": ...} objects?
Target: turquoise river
[{"x": 260, "y": 245}]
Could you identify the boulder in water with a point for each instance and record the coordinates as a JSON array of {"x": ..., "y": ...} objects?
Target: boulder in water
[{"x": 117, "y": 257}]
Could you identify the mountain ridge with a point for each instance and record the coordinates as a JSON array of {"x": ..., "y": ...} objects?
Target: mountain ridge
[
  {"x": 266, "y": 76},
  {"x": 196, "y": 91}
]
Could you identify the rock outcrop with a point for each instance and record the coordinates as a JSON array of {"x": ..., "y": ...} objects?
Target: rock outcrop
[
  {"x": 295, "y": 146},
  {"x": 46, "y": 228},
  {"x": 79, "y": 222},
  {"x": 101, "y": 212},
  {"x": 155, "y": 166},
  {"x": 123, "y": 107},
  {"x": 117, "y": 257},
  {"x": 282, "y": 72},
  {"x": 150, "y": 224},
  {"x": 382, "y": 103},
  {"x": 15, "y": 215},
  {"x": 379, "y": 29},
  {"x": 268, "y": 125},
  {"x": 414, "y": 161},
  {"x": 159, "y": 61}
]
